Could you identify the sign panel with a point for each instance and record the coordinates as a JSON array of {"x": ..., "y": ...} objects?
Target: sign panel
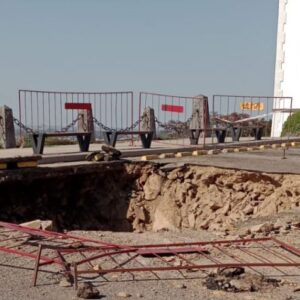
[
  {"x": 252, "y": 106},
  {"x": 72, "y": 105},
  {"x": 172, "y": 108}
]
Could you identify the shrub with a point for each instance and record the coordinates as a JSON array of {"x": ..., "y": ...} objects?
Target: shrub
[{"x": 292, "y": 125}]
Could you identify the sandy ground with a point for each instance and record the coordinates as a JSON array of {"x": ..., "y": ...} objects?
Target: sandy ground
[
  {"x": 16, "y": 272},
  {"x": 16, "y": 281}
]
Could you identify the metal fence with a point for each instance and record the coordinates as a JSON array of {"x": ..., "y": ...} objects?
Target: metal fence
[
  {"x": 250, "y": 109},
  {"x": 46, "y": 110},
  {"x": 173, "y": 114}
]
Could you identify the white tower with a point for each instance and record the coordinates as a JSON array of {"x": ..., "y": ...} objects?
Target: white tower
[{"x": 287, "y": 68}]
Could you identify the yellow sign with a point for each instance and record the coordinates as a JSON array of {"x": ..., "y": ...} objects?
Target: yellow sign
[{"x": 252, "y": 106}]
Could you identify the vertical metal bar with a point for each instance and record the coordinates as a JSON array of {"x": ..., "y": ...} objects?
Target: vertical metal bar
[
  {"x": 122, "y": 110},
  {"x": 25, "y": 107},
  {"x": 20, "y": 113},
  {"x": 106, "y": 113},
  {"x": 172, "y": 101},
  {"x": 55, "y": 111},
  {"x": 31, "y": 110},
  {"x": 213, "y": 120},
  {"x": 37, "y": 265},
  {"x": 38, "y": 111},
  {"x": 227, "y": 106},
  {"x": 127, "y": 102},
  {"x": 116, "y": 109},
  {"x": 61, "y": 111},
  {"x": 111, "y": 109},
  {"x": 132, "y": 113},
  {"x": 140, "y": 107},
  {"x": 67, "y": 114},
  {"x": 43, "y": 101},
  {"x": 49, "y": 114},
  {"x": 75, "y": 277}
]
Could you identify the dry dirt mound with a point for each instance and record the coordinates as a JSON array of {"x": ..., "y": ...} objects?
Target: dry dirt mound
[{"x": 208, "y": 198}]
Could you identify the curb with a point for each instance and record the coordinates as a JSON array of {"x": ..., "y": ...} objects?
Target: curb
[{"x": 217, "y": 151}]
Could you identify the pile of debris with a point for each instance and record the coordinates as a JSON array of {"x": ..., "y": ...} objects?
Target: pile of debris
[
  {"x": 237, "y": 280},
  {"x": 109, "y": 154},
  {"x": 210, "y": 198}
]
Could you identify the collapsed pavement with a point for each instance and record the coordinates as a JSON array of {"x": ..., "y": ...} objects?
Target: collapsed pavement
[{"x": 141, "y": 197}]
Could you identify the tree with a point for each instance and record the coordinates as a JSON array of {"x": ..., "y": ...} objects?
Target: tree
[{"x": 292, "y": 125}]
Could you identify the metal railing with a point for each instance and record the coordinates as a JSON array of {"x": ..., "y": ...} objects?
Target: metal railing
[{"x": 45, "y": 110}]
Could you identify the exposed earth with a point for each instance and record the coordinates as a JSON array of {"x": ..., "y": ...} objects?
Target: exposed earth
[{"x": 143, "y": 203}]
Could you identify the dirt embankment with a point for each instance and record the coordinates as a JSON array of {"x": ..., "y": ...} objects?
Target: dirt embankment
[
  {"x": 141, "y": 197},
  {"x": 209, "y": 198}
]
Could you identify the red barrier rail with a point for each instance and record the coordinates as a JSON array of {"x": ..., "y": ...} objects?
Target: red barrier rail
[{"x": 77, "y": 256}]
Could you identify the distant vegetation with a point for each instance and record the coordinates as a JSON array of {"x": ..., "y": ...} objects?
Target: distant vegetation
[{"x": 292, "y": 125}]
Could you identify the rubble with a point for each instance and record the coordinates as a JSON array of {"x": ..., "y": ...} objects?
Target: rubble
[
  {"x": 123, "y": 295},
  {"x": 86, "y": 290},
  {"x": 213, "y": 199},
  {"x": 237, "y": 280},
  {"x": 143, "y": 197},
  {"x": 109, "y": 153},
  {"x": 39, "y": 224}
]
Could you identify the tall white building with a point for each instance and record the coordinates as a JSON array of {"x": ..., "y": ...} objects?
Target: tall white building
[{"x": 287, "y": 69}]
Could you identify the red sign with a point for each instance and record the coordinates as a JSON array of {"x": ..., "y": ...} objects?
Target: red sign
[
  {"x": 172, "y": 108},
  {"x": 71, "y": 105}
]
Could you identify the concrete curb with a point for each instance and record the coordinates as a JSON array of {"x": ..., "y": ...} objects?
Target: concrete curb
[{"x": 224, "y": 150}]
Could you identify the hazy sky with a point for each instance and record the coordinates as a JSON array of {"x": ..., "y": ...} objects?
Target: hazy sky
[{"x": 170, "y": 46}]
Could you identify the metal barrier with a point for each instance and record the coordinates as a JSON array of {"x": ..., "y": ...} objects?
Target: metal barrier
[
  {"x": 173, "y": 114},
  {"x": 45, "y": 110},
  {"x": 246, "y": 110}
]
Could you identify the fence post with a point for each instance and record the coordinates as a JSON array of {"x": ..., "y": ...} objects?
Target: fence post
[
  {"x": 86, "y": 123},
  {"x": 148, "y": 121},
  {"x": 200, "y": 114},
  {"x": 7, "y": 129}
]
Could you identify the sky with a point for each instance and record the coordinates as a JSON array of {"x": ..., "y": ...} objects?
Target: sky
[{"x": 169, "y": 46}]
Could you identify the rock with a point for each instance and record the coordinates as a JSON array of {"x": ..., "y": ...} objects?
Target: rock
[
  {"x": 76, "y": 245},
  {"x": 95, "y": 156},
  {"x": 86, "y": 290},
  {"x": 295, "y": 225},
  {"x": 166, "y": 216},
  {"x": 35, "y": 224},
  {"x": 278, "y": 225},
  {"x": 140, "y": 213},
  {"x": 204, "y": 225},
  {"x": 248, "y": 210},
  {"x": 97, "y": 267},
  {"x": 123, "y": 295},
  {"x": 241, "y": 285},
  {"x": 180, "y": 285},
  {"x": 111, "y": 150},
  {"x": 138, "y": 295},
  {"x": 226, "y": 208},
  {"x": 172, "y": 175},
  {"x": 64, "y": 282},
  {"x": 262, "y": 228},
  {"x": 39, "y": 224},
  {"x": 297, "y": 289},
  {"x": 192, "y": 220},
  {"x": 244, "y": 232},
  {"x": 152, "y": 186},
  {"x": 215, "y": 206},
  {"x": 231, "y": 272},
  {"x": 47, "y": 225}
]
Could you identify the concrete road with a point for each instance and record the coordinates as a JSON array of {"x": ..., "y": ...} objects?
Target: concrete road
[{"x": 270, "y": 161}]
